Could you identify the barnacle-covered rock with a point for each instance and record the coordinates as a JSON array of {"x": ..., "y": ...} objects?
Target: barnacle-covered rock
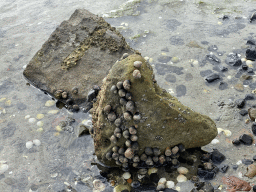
[{"x": 163, "y": 122}]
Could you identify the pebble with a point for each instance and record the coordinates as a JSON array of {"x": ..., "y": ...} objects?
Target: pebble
[
  {"x": 239, "y": 87},
  {"x": 212, "y": 77},
  {"x": 40, "y": 123},
  {"x": 40, "y": 116},
  {"x": 126, "y": 175},
  {"x": 227, "y": 133},
  {"x": 143, "y": 171},
  {"x": 182, "y": 170},
  {"x": 249, "y": 62},
  {"x": 152, "y": 170},
  {"x": 181, "y": 178},
  {"x": 32, "y": 120},
  {"x": 215, "y": 141},
  {"x": 8, "y": 103},
  {"x": 175, "y": 59},
  {"x": 252, "y": 113},
  {"x": 49, "y": 103},
  {"x": 3, "y": 167},
  {"x": 98, "y": 185},
  {"x": 37, "y": 142},
  {"x": 27, "y": 116},
  {"x": 220, "y": 130},
  {"x": 137, "y": 64},
  {"x": 52, "y": 112},
  {"x": 162, "y": 181},
  {"x": 170, "y": 184},
  {"x": 40, "y": 129},
  {"x": 246, "y": 139},
  {"x": 136, "y": 74},
  {"x": 29, "y": 144},
  {"x": 217, "y": 157}
]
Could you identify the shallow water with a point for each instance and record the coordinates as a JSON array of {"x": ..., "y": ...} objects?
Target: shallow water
[{"x": 152, "y": 27}]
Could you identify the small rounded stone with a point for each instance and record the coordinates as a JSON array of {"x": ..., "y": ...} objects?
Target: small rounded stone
[
  {"x": 113, "y": 89},
  {"x": 121, "y": 158},
  {"x": 130, "y": 106},
  {"x": 181, "y": 178},
  {"x": 117, "y": 130},
  {"x": 168, "y": 151},
  {"x": 119, "y": 85},
  {"x": 125, "y": 55},
  {"x": 143, "y": 157},
  {"x": 129, "y": 153},
  {"x": 75, "y": 107},
  {"x": 115, "y": 156},
  {"x": 109, "y": 156},
  {"x": 115, "y": 149},
  {"x": 142, "y": 171},
  {"x": 175, "y": 150},
  {"x": 75, "y": 90},
  {"x": 149, "y": 161},
  {"x": 135, "y": 146},
  {"x": 123, "y": 101},
  {"x": 132, "y": 130},
  {"x": 127, "y": 85},
  {"x": 162, "y": 159},
  {"x": 134, "y": 137},
  {"x": 58, "y": 94},
  {"x": 121, "y": 151},
  {"x": 118, "y": 162},
  {"x": 182, "y": 170},
  {"x": 127, "y": 116},
  {"x": 29, "y": 144},
  {"x": 37, "y": 142},
  {"x": 160, "y": 187},
  {"x": 128, "y": 96},
  {"x": 137, "y": 117},
  {"x": 121, "y": 93},
  {"x": 128, "y": 143},
  {"x": 125, "y": 165},
  {"x": 126, "y": 175},
  {"x": 107, "y": 109},
  {"x": 136, "y": 74},
  {"x": 135, "y": 165},
  {"x": 156, "y": 151},
  {"x": 136, "y": 159},
  {"x": 137, "y": 64},
  {"x": 175, "y": 161},
  {"x": 148, "y": 151},
  {"x": 112, "y": 116},
  {"x": 118, "y": 122},
  {"x": 126, "y": 134},
  {"x": 113, "y": 139},
  {"x": 64, "y": 95},
  {"x": 155, "y": 159},
  {"x": 118, "y": 135}
]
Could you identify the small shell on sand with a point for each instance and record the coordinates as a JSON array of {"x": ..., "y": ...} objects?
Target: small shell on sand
[
  {"x": 181, "y": 178},
  {"x": 29, "y": 144},
  {"x": 182, "y": 170}
]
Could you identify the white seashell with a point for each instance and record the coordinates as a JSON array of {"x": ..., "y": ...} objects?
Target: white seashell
[
  {"x": 53, "y": 112},
  {"x": 40, "y": 123},
  {"x": 126, "y": 175},
  {"x": 170, "y": 184},
  {"x": 215, "y": 141},
  {"x": 29, "y": 144},
  {"x": 37, "y": 142},
  {"x": 49, "y": 103},
  {"x": 32, "y": 120},
  {"x": 220, "y": 130},
  {"x": 181, "y": 178},
  {"x": 162, "y": 181},
  {"x": 98, "y": 185},
  {"x": 227, "y": 133},
  {"x": 182, "y": 170},
  {"x": 152, "y": 170},
  {"x": 27, "y": 116},
  {"x": 3, "y": 167}
]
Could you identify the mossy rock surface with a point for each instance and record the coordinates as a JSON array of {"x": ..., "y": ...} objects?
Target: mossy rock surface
[
  {"x": 78, "y": 54},
  {"x": 165, "y": 122}
]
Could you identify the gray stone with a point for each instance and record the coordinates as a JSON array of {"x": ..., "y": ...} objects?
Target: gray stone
[{"x": 78, "y": 54}]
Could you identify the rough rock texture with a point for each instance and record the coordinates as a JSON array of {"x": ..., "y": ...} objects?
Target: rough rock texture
[
  {"x": 235, "y": 184},
  {"x": 161, "y": 121},
  {"x": 77, "y": 55}
]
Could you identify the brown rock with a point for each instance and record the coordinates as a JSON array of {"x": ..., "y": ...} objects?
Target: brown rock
[
  {"x": 239, "y": 87},
  {"x": 251, "y": 171},
  {"x": 252, "y": 113},
  {"x": 235, "y": 184}
]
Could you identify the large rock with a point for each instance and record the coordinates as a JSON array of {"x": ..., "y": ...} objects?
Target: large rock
[
  {"x": 159, "y": 122},
  {"x": 77, "y": 55}
]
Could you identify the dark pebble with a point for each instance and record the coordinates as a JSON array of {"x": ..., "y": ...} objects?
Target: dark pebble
[
  {"x": 34, "y": 187},
  {"x": 249, "y": 70},
  {"x": 240, "y": 103},
  {"x": 206, "y": 157},
  {"x": 250, "y": 42},
  {"x": 91, "y": 95},
  {"x": 244, "y": 67},
  {"x": 125, "y": 190},
  {"x": 201, "y": 173},
  {"x": 223, "y": 85},
  {"x": 170, "y": 78},
  {"x": 212, "y": 59},
  {"x": 254, "y": 158},
  {"x": 236, "y": 142},
  {"x": 21, "y": 106},
  {"x": 205, "y": 72},
  {"x": 75, "y": 108},
  {"x": 222, "y": 68},
  {"x": 212, "y": 77},
  {"x": 164, "y": 59},
  {"x": 243, "y": 112},
  {"x": 217, "y": 157},
  {"x": 225, "y": 17},
  {"x": 254, "y": 128},
  {"x": 224, "y": 168},
  {"x": 250, "y": 54},
  {"x": 233, "y": 59},
  {"x": 207, "y": 187},
  {"x": 210, "y": 175},
  {"x": 235, "y": 167},
  {"x": 247, "y": 161},
  {"x": 215, "y": 170},
  {"x": 246, "y": 139},
  {"x": 181, "y": 90},
  {"x": 165, "y": 49},
  {"x": 204, "y": 42},
  {"x": 249, "y": 96},
  {"x": 254, "y": 188}
]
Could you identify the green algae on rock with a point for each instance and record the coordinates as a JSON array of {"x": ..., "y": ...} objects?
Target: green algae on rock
[
  {"x": 163, "y": 121},
  {"x": 83, "y": 45}
]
